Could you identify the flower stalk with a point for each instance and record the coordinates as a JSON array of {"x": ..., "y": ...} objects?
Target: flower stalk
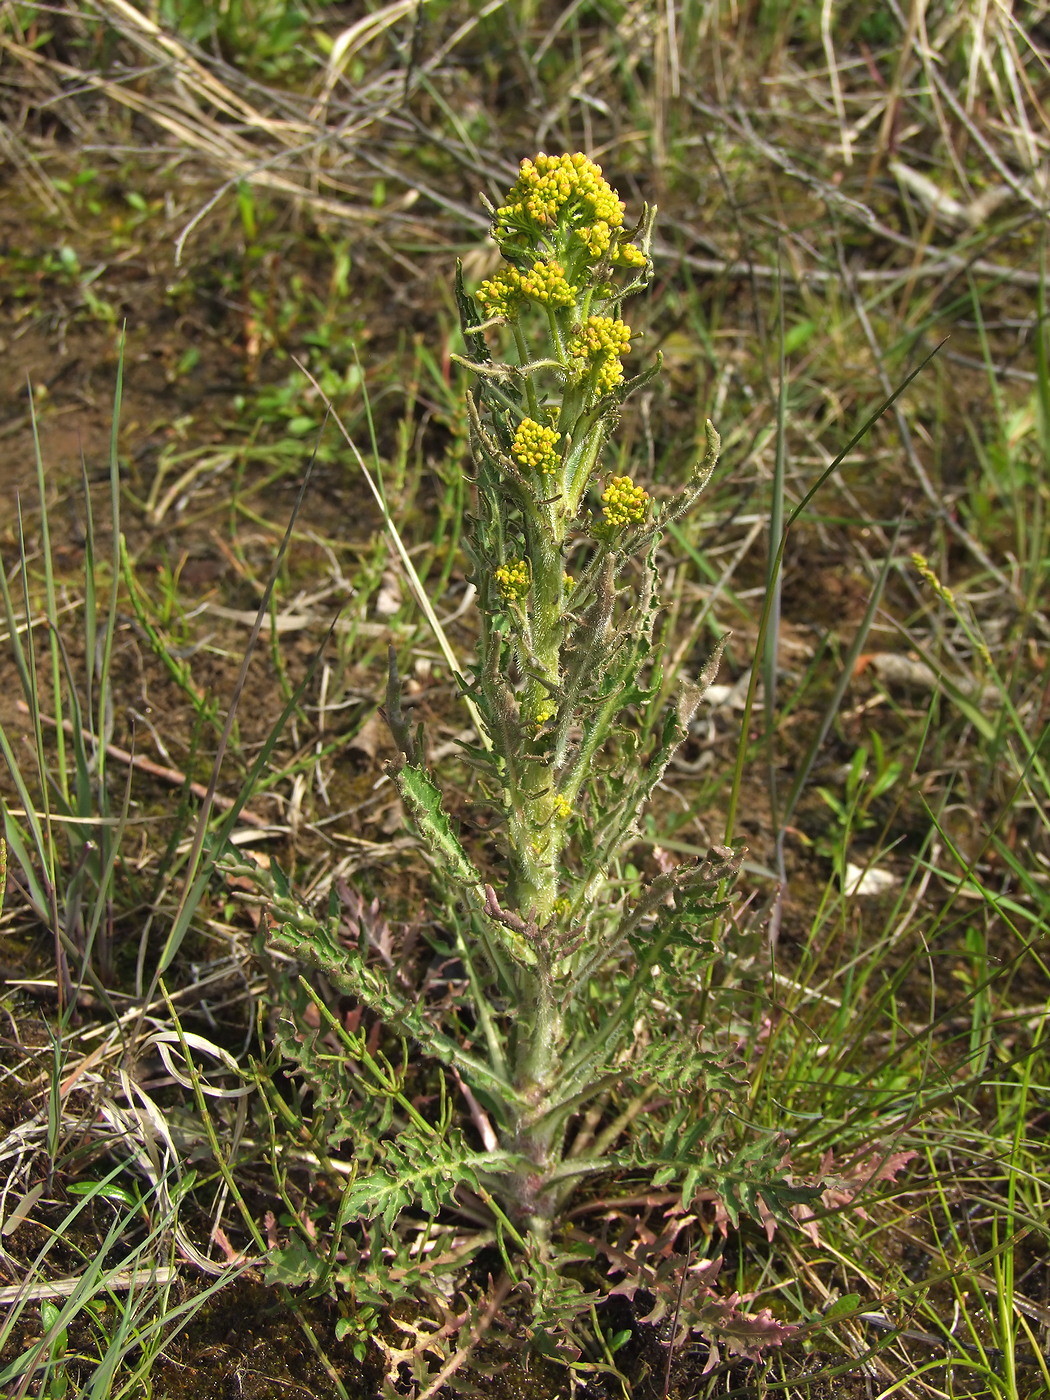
[
  {"x": 563, "y": 655},
  {"x": 570, "y": 1036},
  {"x": 560, "y": 941}
]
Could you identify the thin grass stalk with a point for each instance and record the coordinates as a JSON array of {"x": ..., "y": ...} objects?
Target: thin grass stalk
[
  {"x": 773, "y": 594},
  {"x": 199, "y": 868}
]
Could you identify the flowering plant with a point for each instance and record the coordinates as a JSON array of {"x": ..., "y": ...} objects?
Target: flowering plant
[{"x": 570, "y": 1031}]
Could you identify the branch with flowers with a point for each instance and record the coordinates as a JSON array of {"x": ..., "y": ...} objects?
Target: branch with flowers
[{"x": 570, "y": 1036}]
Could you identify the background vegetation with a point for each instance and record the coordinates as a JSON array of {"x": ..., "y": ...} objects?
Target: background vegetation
[{"x": 846, "y": 194}]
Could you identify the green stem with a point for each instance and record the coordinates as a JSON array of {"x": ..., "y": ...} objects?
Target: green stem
[
  {"x": 535, "y": 833},
  {"x": 523, "y": 359}
]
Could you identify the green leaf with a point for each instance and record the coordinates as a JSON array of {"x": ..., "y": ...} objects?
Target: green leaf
[
  {"x": 422, "y": 1172},
  {"x": 293, "y": 1265},
  {"x": 423, "y": 800},
  {"x": 469, "y": 318},
  {"x": 843, "y": 1307}
]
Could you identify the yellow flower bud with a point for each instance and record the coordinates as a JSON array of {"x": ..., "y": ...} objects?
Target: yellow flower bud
[
  {"x": 624, "y": 503},
  {"x": 512, "y": 579},
  {"x": 567, "y": 196},
  {"x": 597, "y": 347},
  {"x": 545, "y": 710},
  {"x": 534, "y": 446}
]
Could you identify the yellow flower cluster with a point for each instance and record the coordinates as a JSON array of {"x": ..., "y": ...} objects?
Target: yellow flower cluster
[
  {"x": 548, "y": 185},
  {"x": 561, "y": 807},
  {"x": 570, "y": 191},
  {"x": 598, "y": 345},
  {"x": 597, "y": 239},
  {"x": 544, "y": 711},
  {"x": 500, "y": 295},
  {"x": 545, "y": 282},
  {"x": 534, "y": 446},
  {"x": 628, "y": 255},
  {"x": 513, "y": 580},
  {"x": 625, "y": 503}
]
